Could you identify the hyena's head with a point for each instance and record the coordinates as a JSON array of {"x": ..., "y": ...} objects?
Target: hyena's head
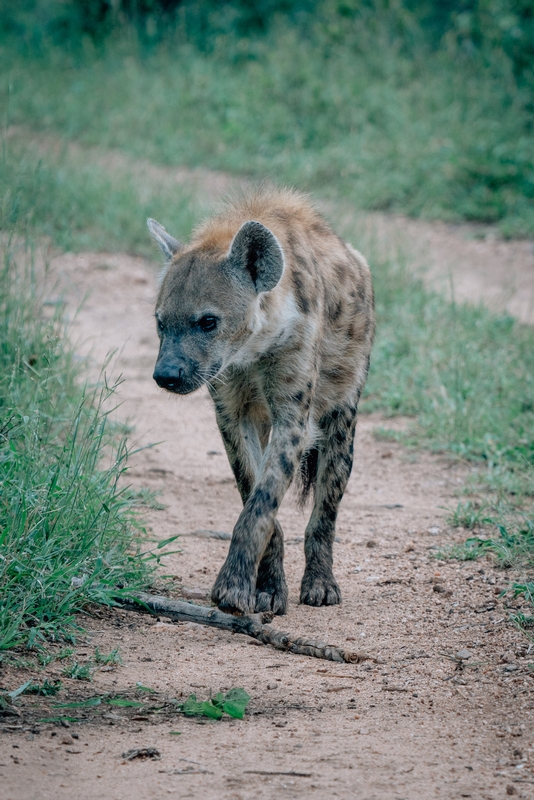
[{"x": 208, "y": 302}]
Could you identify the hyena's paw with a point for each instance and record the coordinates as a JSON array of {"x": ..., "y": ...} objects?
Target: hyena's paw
[
  {"x": 319, "y": 591},
  {"x": 234, "y": 594},
  {"x": 272, "y": 596}
]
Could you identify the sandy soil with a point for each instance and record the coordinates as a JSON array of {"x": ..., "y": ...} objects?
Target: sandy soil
[{"x": 412, "y": 722}]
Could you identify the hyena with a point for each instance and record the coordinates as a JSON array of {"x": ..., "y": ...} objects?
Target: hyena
[{"x": 274, "y": 312}]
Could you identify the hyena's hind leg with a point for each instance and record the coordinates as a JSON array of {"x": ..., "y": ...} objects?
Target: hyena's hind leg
[
  {"x": 334, "y": 463},
  {"x": 244, "y": 455}
]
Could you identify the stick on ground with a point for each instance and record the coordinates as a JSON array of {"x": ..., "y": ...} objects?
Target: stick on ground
[{"x": 255, "y": 625}]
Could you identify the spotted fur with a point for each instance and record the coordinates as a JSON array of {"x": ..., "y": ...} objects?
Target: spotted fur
[{"x": 286, "y": 361}]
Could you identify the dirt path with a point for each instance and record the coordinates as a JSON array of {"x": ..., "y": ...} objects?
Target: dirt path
[{"x": 409, "y": 724}]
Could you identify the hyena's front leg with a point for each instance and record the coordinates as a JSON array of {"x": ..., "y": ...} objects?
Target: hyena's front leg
[
  {"x": 334, "y": 465},
  {"x": 244, "y": 445},
  {"x": 256, "y": 550}
]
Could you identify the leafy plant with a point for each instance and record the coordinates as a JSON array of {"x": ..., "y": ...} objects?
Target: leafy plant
[
  {"x": 110, "y": 658},
  {"x": 45, "y": 689},
  {"x": 233, "y": 703},
  {"x": 79, "y": 672}
]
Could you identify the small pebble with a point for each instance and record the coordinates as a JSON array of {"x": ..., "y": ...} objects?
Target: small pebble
[{"x": 463, "y": 655}]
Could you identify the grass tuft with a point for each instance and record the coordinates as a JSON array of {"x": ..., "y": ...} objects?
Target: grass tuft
[{"x": 69, "y": 533}]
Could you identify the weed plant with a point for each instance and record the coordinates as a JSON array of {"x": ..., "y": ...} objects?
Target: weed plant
[{"x": 68, "y": 532}]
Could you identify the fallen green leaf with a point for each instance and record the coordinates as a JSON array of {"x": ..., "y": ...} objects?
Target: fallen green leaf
[
  {"x": 20, "y": 690},
  {"x": 140, "y": 688},
  {"x": 121, "y": 701},
  {"x": 92, "y": 701}
]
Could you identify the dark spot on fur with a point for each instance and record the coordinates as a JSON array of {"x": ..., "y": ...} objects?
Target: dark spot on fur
[
  {"x": 262, "y": 501},
  {"x": 335, "y": 375},
  {"x": 241, "y": 478},
  {"x": 320, "y": 228},
  {"x": 334, "y": 311},
  {"x": 361, "y": 292},
  {"x": 286, "y": 465},
  {"x": 341, "y": 271},
  {"x": 350, "y": 331},
  {"x": 297, "y": 397},
  {"x": 295, "y": 440},
  {"x": 300, "y": 296},
  {"x": 309, "y": 385},
  {"x": 340, "y": 437},
  {"x": 329, "y": 511}
]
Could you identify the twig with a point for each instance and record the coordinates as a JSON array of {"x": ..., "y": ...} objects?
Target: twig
[
  {"x": 253, "y": 625},
  {"x": 268, "y": 772}
]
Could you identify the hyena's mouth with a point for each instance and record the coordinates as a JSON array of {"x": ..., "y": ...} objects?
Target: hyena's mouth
[{"x": 177, "y": 382}]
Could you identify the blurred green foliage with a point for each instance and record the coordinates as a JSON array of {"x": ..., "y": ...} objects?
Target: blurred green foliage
[
  {"x": 423, "y": 108},
  {"x": 475, "y": 24}
]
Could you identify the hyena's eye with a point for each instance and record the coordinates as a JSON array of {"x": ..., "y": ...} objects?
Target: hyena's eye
[{"x": 207, "y": 323}]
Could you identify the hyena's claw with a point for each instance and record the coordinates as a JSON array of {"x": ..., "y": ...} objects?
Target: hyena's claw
[
  {"x": 233, "y": 596},
  {"x": 316, "y": 591},
  {"x": 274, "y": 600}
]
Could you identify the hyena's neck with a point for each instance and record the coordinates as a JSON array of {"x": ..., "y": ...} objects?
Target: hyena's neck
[{"x": 271, "y": 326}]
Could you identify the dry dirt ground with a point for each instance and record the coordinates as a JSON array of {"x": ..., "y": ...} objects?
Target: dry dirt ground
[{"x": 413, "y": 722}]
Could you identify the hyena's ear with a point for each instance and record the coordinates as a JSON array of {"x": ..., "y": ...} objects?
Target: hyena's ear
[
  {"x": 256, "y": 251},
  {"x": 166, "y": 243}
]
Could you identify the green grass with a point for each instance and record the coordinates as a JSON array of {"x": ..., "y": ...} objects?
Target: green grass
[
  {"x": 465, "y": 373},
  {"x": 342, "y": 106},
  {"x": 69, "y": 533},
  {"x": 66, "y": 195},
  {"x": 466, "y": 377}
]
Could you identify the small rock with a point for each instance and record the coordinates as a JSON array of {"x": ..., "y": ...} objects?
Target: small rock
[
  {"x": 510, "y": 789},
  {"x": 463, "y": 655},
  {"x": 433, "y": 531},
  {"x": 510, "y": 668},
  {"x": 439, "y": 587},
  {"x": 371, "y": 543},
  {"x": 67, "y": 740}
]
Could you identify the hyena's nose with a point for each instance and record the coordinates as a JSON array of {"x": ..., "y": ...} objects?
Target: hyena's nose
[{"x": 169, "y": 379}]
